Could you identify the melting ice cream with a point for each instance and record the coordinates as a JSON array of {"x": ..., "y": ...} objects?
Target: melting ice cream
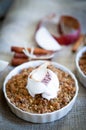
[{"x": 43, "y": 81}]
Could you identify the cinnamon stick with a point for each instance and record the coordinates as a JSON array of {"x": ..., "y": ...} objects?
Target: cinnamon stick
[
  {"x": 36, "y": 50},
  {"x": 20, "y": 55},
  {"x": 18, "y": 61},
  {"x": 77, "y": 43}
]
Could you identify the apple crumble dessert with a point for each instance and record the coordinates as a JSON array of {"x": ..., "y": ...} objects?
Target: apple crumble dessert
[
  {"x": 29, "y": 99},
  {"x": 82, "y": 63}
]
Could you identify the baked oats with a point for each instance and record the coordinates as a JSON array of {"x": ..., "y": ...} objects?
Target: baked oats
[
  {"x": 20, "y": 97},
  {"x": 82, "y": 63}
]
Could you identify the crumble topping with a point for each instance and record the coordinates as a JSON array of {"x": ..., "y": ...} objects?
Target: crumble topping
[
  {"x": 19, "y": 96},
  {"x": 82, "y": 63}
]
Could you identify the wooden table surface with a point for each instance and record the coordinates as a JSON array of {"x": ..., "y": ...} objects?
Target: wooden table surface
[{"x": 18, "y": 29}]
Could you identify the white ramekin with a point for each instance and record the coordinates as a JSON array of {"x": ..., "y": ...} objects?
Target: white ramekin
[
  {"x": 81, "y": 76},
  {"x": 39, "y": 118}
]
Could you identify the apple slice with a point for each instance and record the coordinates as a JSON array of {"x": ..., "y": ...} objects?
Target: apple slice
[
  {"x": 45, "y": 40},
  {"x": 3, "y": 65}
]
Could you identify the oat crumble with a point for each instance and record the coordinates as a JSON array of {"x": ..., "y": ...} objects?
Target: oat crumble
[
  {"x": 20, "y": 97},
  {"x": 82, "y": 63}
]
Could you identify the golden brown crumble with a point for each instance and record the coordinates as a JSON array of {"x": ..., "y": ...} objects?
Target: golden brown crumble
[
  {"x": 20, "y": 97},
  {"x": 82, "y": 63}
]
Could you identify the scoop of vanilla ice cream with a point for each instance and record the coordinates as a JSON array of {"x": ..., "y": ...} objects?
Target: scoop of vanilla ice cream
[
  {"x": 43, "y": 81},
  {"x": 52, "y": 86}
]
